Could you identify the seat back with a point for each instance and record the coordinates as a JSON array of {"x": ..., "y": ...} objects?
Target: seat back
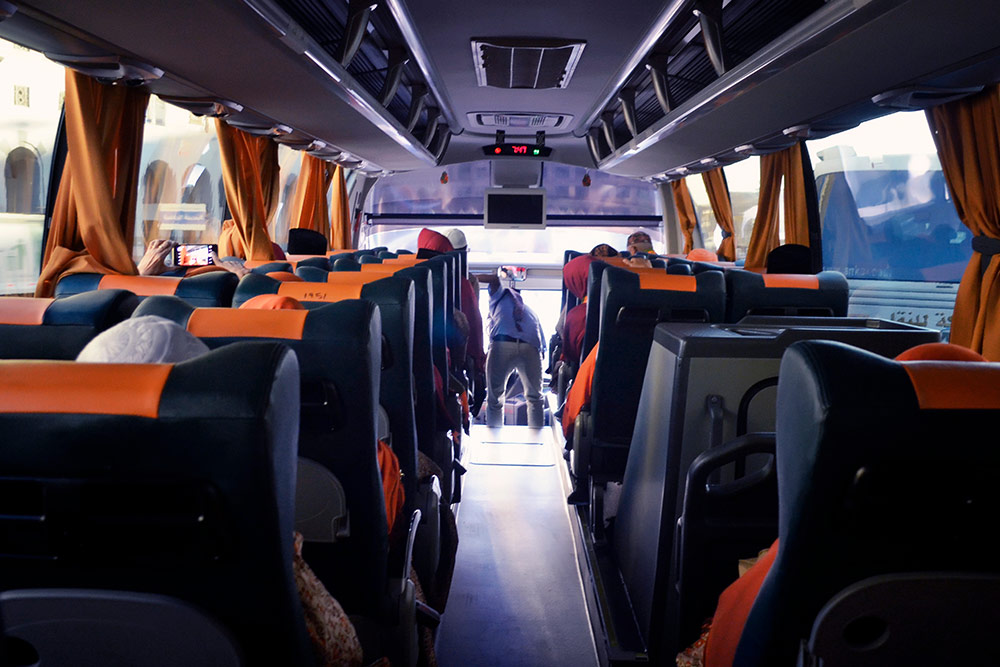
[
  {"x": 885, "y": 620},
  {"x": 211, "y": 289},
  {"x": 339, "y": 351},
  {"x": 173, "y": 479},
  {"x": 59, "y": 328},
  {"x": 306, "y": 242},
  {"x": 594, "y": 283},
  {"x": 750, "y": 293},
  {"x": 92, "y": 628},
  {"x": 395, "y": 299},
  {"x": 872, "y": 480},
  {"x": 632, "y": 304}
]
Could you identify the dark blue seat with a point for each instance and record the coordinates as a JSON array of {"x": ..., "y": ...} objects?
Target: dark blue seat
[
  {"x": 212, "y": 289},
  {"x": 59, "y": 328},
  {"x": 173, "y": 479},
  {"x": 882, "y": 468},
  {"x": 749, "y": 293}
]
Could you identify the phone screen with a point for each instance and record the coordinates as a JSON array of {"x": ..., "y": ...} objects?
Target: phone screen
[{"x": 194, "y": 254}]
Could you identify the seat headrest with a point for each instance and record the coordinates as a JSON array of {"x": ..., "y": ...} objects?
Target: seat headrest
[
  {"x": 751, "y": 293},
  {"x": 207, "y": 289}
]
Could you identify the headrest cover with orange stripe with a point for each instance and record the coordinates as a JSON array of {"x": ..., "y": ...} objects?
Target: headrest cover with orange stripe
[
  {"x": 141, "y": 285},
  {"x": 23, "y": 310},
  {"x": 143, "y": 340},
  {"x": 284, "y": 276}
]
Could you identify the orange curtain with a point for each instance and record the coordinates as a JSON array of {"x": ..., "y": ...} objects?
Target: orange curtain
[
  {"x": 784, "y": 165},
  {"x": 341, "y": 234},
  {"x": 309, "y": 206},
  {"x": 94, "y": 217},
  {"x": 967, "y": 135},
  {"x": 250, "y": 174},
  {"x": 722, "y": 207},
  {"x": 686, "y": 217}
]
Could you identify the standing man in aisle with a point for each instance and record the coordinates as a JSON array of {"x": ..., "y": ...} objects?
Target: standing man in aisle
[{"x": 516, "y": 343}]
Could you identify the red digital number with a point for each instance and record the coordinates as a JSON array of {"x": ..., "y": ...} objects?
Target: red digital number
[{"x": 520, "y": 149}]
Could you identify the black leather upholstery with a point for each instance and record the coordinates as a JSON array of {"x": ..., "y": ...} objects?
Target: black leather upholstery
[
  {"x": 205, "y": 290},
  {"x": 868, "y": 484},
  {"x": 196, "y": 503},
  {"x": 67, "y": 325},
  {"x": 748, "y": 295},
  {"x": 339, "y": 357}
]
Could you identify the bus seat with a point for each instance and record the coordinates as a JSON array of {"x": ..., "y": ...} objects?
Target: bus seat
[
  {"x": 312, "y": 274},
  {"x": 632, "y": 304},
  {"x": 345, "y": 264},
  {"x": 319, "y": 262},
  {"x": 385, "y": 254},
  {"x": 202, "y": 511},
  {"x": 884, "y": 620},
  {"x": 680, "y": 269},
  {"x": 394, "y": 297},
  {"x": 59, "y": 328},
  {"x": 861, "y": 495},
  {"x": 403, "y": 251},
  {"x": 369, "y": 259},
  {"x": 749, "y": 293},
  {"x": 265, "y": 267},
  {"x": 207, "y": 289},
  {"x": 339, "y": 254},
  {"x": 339, "y": 352},
  {"x": 283, "y": 276},
  {"x": 95, "y": 628}
]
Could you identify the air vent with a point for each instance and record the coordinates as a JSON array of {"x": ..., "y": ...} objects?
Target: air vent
[
  {"x": 525, "y": 63},
  {"x": 516, "y": 121}
]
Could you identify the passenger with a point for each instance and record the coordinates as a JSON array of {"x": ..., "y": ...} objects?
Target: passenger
[
  {"x": 717, "y": 645},
  {"x": 476, "y": 356},
  {"x": 603, "y": 250},
  {"x": 574, "y": 323},
  {"x": 156, "y": 340},
  {"x": 516, "y": 343},
  {"x": 639, "y": 262},
  {"x": 639, "y": 243},
  {"x": 578, "y": 398},
  {"x": 154, "y": 261}
]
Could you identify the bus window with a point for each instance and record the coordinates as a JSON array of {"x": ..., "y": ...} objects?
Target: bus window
[
  {"x": 29, "y": 117},
  {"x": 744, "y": 189},
  {"x": 884, "y": 207},
  {"x": 180, "y": 175},
  {"x": 579, "y": 216}
]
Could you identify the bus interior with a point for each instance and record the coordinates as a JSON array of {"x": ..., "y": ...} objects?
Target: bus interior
[{"x": 735, "y": 464}]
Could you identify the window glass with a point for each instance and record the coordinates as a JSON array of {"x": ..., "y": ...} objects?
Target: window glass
[
  {"x": 31, "y": 96},
  {"x": 181, "y": 194},
  {"x": 711, "y": 233},
  {"x": 743, "y": 178},
  {"x": 884, "y": 206},
  {"x": 290, "y": 163},
  {"x": 584, "y": 208}
]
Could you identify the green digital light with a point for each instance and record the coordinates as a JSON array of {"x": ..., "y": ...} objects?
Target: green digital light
[{"x": 536, "y": 152}]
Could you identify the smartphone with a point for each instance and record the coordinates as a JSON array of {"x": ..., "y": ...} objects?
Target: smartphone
[
  {"x": 516, "y": 273},
  {"x": 194, "y": 254}
]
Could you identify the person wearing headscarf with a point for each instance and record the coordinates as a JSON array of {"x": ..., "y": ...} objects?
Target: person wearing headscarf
[{"x": 575, "y": 274}]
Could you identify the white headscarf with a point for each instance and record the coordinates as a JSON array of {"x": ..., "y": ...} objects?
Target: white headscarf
[
  {"x": 457, "y": 238},
  {"x": 143, "y": 340}
]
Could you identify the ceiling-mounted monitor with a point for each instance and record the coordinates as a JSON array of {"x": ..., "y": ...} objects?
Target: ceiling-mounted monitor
[{"x": 514, "y": 208}]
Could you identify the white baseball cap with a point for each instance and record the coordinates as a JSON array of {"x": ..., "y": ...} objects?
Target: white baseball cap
[{"x": 457, "y": 238}]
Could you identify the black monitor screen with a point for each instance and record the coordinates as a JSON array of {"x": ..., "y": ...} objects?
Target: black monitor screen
[{"x": 520, "y": 209}]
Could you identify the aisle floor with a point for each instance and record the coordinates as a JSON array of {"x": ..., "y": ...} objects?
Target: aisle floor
[{"x": 516, "y": 597}]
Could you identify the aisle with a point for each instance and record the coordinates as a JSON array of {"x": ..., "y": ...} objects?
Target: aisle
[{"x": 516, "y": 598}]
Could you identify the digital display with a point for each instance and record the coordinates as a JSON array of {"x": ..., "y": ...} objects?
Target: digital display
[
  {"x": 520, "y": 150},
  {"x": 515, "y": 208},
  {"x": 194, "y": 254}
]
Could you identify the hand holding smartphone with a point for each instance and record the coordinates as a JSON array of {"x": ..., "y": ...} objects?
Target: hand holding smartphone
[{"x": 194, "y": 254}]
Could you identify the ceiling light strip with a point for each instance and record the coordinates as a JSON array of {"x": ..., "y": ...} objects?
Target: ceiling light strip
[{"x": 404, "y": 20}]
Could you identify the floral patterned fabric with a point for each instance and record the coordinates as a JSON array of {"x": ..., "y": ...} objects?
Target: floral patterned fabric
[{"x": 332, "y": 633}]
